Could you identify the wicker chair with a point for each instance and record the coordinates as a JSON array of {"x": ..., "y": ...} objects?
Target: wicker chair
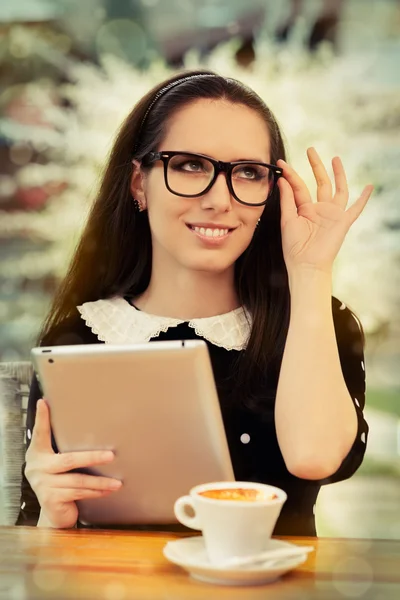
[{"x": 15, "y": 379}]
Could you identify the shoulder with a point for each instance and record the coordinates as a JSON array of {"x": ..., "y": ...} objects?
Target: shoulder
[{"x": 71, "y": 331}]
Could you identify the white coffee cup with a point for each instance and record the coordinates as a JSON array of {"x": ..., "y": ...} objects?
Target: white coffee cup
[{"x": 232, "y": 527}]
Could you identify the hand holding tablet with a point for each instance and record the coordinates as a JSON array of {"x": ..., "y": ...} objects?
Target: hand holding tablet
[{"x": 56, "y": 488}]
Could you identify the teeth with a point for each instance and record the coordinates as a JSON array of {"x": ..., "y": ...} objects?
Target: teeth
[{"x": 211, "y": 232}]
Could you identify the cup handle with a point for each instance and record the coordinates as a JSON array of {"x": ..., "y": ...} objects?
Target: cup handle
[{"x": 180, "y": 512}]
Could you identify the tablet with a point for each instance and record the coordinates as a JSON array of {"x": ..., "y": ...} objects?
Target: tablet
[{"x": 155, "y": 405}]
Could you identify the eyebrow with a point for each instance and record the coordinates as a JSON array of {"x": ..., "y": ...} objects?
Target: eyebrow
[
  {"x": 252, "y": 159},
  {"x": 234, "y": 160}
]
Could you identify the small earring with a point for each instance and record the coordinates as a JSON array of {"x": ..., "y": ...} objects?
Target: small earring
[
  {"x": 137, "y": 205},
  {"x": 258, "y": 222}
]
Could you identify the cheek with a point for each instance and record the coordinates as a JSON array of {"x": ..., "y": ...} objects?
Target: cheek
[
  {"x": 166, "y": 215},
  {"x": 157, "y": 195},
  {"x": 249, "y": 216},
  {"x": 153, "y": 187}
]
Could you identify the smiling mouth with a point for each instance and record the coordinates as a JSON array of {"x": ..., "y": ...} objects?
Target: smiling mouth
[{"x": 214, "y": 232}]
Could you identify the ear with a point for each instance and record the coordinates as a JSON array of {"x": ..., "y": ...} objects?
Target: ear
[{"x": 138, "y": 185}]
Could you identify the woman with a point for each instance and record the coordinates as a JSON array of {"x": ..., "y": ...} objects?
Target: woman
[{"x": 202, "y": 230}]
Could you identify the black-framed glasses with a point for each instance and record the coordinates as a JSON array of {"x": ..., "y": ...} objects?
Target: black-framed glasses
[{"x": 191, "y": 175}]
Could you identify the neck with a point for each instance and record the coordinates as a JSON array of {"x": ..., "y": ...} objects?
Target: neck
[{"x": 189, "y": 294}]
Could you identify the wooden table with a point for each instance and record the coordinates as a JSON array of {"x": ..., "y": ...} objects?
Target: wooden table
[{"x": 123, "y": 565}]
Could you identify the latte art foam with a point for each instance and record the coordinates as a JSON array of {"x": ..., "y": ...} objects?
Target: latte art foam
[{"x": 239, "y": 494}]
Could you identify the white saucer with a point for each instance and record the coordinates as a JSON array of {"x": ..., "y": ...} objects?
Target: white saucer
[{"x": 190, "y": 553}]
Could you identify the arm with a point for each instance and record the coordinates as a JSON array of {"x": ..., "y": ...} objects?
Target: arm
[
  {"x": 318, "y": 421},
  {"x": 316, "y": 417}
]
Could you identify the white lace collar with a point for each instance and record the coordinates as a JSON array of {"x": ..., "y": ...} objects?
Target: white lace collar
[{"x": 115, "y": 321}]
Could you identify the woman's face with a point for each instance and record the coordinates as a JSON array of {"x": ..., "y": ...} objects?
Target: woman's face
[{"x": 226, "y": 132}]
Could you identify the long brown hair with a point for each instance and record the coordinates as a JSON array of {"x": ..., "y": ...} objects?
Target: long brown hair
[{"x": 114, "y": 254}]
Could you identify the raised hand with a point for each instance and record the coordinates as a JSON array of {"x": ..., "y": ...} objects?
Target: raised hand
[
  {"x": 48, "y": 474},
  {"x": 313, "y": 232}
]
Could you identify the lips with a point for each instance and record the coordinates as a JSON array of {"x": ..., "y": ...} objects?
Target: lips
[
  {"x": 211, "y": 232},
  {"x": 210, "y": 228}
]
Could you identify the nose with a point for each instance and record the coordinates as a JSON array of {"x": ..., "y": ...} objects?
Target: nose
[{"x": 218, "y": 197}]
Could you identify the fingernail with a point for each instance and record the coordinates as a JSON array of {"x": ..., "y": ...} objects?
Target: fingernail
[
  {"x": 108, "y": 455},
  {"x": 115, "y": 485}
]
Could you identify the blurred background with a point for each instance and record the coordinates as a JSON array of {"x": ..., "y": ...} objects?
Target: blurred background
[{"x": 70, "y": 70}]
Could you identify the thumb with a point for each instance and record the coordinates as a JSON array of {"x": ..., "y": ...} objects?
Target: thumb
[
  {"x": 356, "y": 209},
  {"x": 41, "y": 434}
]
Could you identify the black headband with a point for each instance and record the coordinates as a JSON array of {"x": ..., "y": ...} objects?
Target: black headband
[{"x": 163, "y": 91}]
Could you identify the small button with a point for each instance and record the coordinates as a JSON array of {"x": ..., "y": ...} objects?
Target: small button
[{"x": 245, "y": 438}]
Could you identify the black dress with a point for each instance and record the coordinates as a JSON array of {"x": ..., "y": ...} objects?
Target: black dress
[{"x": 255, "y": 456}]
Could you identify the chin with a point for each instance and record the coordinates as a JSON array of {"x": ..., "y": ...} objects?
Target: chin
[{"x": 210, "y": 265}]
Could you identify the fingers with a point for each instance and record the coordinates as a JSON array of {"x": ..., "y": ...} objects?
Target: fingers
[
  {"x": 356, "y": 209},
  {"x": 324, "y": 186},
  {"x": 300, "y": 191},
  {"x": 288, "y": 204},
  {"x": 58, "y": 493},
  {"x": 41, "y": 434},
  {"x": 68, "y": 461},
  {"x": 53, "y": 499},
  {"x": 89, "y": 482},
  {"x": 341, "y": 196},
  {"x": 82, "y": 494}
]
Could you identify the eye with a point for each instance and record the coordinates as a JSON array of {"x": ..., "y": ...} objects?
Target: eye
[
  {"x": 250, "y": 172},
  {"x": 192, "y": 165}
]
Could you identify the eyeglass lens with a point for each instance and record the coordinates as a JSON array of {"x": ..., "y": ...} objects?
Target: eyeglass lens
[{"x": 191, "y": 175}]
